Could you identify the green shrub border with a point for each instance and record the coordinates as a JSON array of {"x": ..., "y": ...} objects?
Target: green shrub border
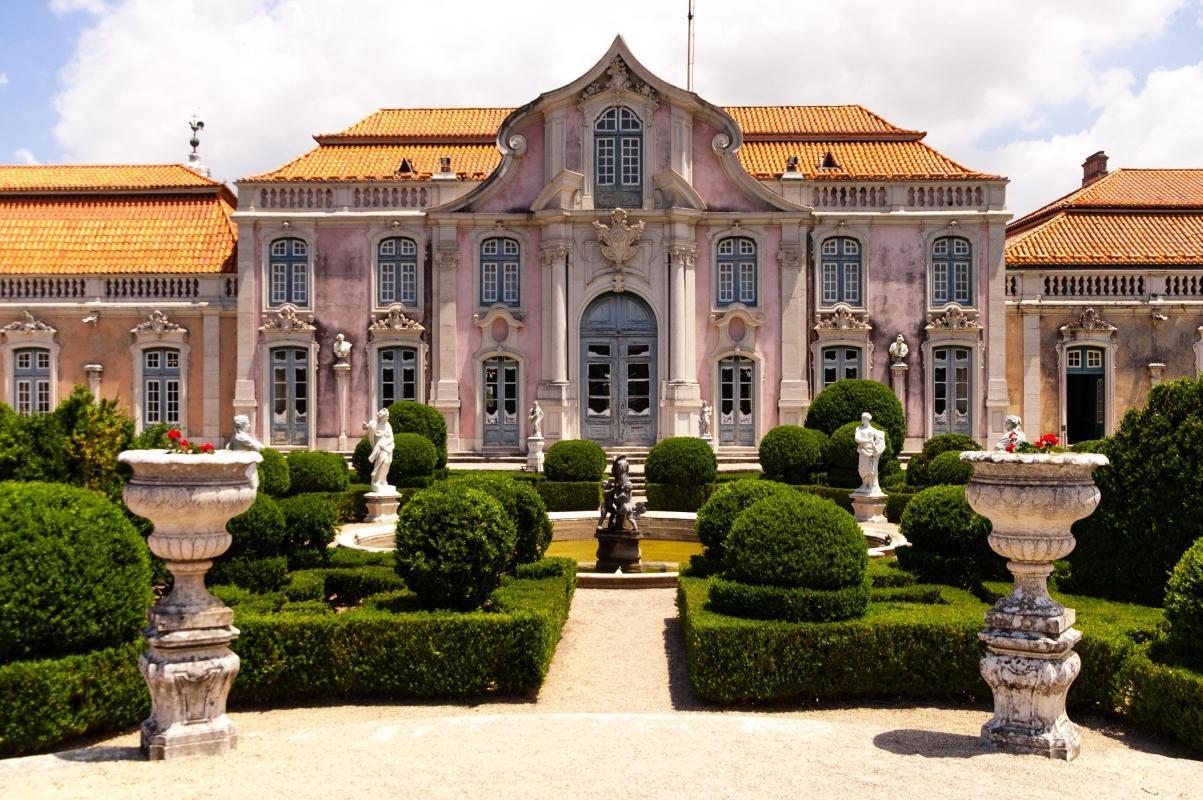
[
  {"x": 570, "y": 495},
  {"x": 304, "y": 652},
  {"x": 670, "y": 497}
]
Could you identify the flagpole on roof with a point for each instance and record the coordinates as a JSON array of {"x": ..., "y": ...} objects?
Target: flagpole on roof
[{"x": 689, "y": 55}]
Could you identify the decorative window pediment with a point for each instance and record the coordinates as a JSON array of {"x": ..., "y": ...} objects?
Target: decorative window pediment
[
  {"x": 846, "y": 336},
  {"x": 953, "y": 320},
  {"x": 395, "y": 325},
  {"x": 618, "y": 78},
  {"x": 499, "y": 328},
  {"x": 30, "y": 327},
  {"x": 737, "y": 325},
  {"x": 843, "y": 318},
  {"x": 156, "y": 327},
  {"x": 287, "y": 323},
  {"x": 1089, "y": 325}
]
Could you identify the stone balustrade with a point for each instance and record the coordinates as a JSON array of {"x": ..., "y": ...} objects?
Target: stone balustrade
[
  {"x": 212, "y": 289},
  {"x": 410, "y": 195},
  {"x": 824, "y": 196},
  {"x": 1096, "y": 285}
]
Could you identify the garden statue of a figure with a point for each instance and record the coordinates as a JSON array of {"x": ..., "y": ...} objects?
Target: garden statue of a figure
[
  {"x": 536, "y": 420},
  {"x": 1012, "y": 434},
  {"x": 704, "y": 420},
  {"x": 380, "y": 434},
  {"x": 870, "y": 444},
  {"x": 899, "y": 350},
  {"x": 341, "y": 348},
  {"x": 617, "y": 505},
  {"x": 242, "y": 439}
]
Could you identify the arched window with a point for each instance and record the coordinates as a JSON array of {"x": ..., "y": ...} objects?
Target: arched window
[
  {"x": 618, "y": 159},
  {"x": 398, "y": 374},
  {"x": 31, "y": 380},
  {"x": 951, "y": 275},
  {"x": 840, "y": 279},
  {"x": 736, "y": 271},
  {"x": 161, "y": 386},
  {"x": 499, "y": 259},
  {"x": 288, "y": 272},
  {"x": 397, "y": 272}
]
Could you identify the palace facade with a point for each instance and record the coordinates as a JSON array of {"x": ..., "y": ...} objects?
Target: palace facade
[
  {"x": 621, "y": 250},
  {"x": 1104, "y": 297}
]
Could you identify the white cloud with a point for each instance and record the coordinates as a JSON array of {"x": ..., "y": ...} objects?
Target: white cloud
[
  {"x": 25, "y": 156},
  {"x": 1156, "y": 126},
  {"x": 93, "y": 7},
  {"x": 3, "y": 78},
  {"x": 267, "y": 74}
]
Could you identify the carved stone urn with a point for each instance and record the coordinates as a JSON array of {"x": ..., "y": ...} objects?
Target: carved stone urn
[
  {"x": 189, "y": 667},
  {"x": 1032, "y": 499}
]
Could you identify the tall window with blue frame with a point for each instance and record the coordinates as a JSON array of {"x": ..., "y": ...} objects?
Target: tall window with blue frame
[
  {"x": 840, "y": 273},
  {"x": 397, "y": 272},
  {"x": 499, "y": 260},
  {"x": 161, "y": 386},
  {"x": 288, "y": 272},
  {"x": 31, "y": 380},
  {"x": 951, "y": 275},
  {"x": 398, "y": 374},
  {"x": 618, "y": 159},
  {"x": 736, "y": 271}
]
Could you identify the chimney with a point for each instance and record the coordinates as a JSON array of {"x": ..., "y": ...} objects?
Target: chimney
[{"x": 1093, "y": 168}]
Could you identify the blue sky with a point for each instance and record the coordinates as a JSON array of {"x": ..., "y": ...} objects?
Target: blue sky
[{"x": 1026, "y": 89}]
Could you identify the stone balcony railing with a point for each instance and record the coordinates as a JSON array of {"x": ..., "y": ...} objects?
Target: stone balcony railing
[
  {"x": 131, "y": 289},
  {"x": 1103, "y": 285},
  {"x": 892, "y": 196},
  {"x": 404, "y": 195}
]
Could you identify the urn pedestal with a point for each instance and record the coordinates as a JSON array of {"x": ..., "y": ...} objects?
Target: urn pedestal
[
  {"x": 189, "y": 667},
  {"x": 618, "y": 550},
  {"x": 868, "y": 507},
  {"x": 1031, "y": 500},
  {"x": 534, "y": 453}
]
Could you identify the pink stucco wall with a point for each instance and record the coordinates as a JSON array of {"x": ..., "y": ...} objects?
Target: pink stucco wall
[
  {"x": 527, "y": 181},
  {"x": 709, "y": 179}
]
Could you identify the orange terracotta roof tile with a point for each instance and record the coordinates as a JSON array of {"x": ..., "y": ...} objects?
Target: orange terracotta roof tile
[
  {"x": 795, "y": 121},
  {"x": 70, "y": 177},
  {"x": 87, "y": 234},
  {"x": 1115, "y": 238},
  {"x": 875, "y": 160},
  {"x": 863, "y": 144},
  {"x": 383, "y": 162},
  {"x": 1127, "y": 188}
]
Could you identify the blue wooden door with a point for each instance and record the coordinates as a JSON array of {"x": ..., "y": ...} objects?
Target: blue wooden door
[
  {"x": 736, "y": 415},
  {"x": 501, "y": 402},
  {"x": 951, "y": 384},
  {"x": 290, "y": 396},
  {"x": 618, "y": 371}
]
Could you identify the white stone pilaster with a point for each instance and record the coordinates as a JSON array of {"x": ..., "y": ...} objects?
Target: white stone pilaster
[
  {"x": 554, "y": 391},
  {"x": 793, "y": 398},
  {"x": 1032, "y": 379},
  {"x": 446, "y": 388},
  {"x": 245, "y": 401},
  {"x": 211, "y": 386},
  {"x": 997, "y": 399},
  {"x": 683, "y": 399}
]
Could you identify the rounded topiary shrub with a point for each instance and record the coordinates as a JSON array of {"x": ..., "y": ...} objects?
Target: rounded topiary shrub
[
  {"x": 409, "y": 416},
  {"x": 843, "y": 462},
  {"x": 916, "y": 469},
  {"x": 573, "y": 460},
  {"x": 844, "y": 401},
  {"x": 796, "y": 557},
  {"x": 1149, "y": 512},
  {"x": 414, "y": 456},
  {"x": 1184, "y": 607},
  {"x": 74, "y": 574},
  {"x": 317, "y": 471},
  {"x": 361, "y": 460},
  {"x": 947, "y": 469},
  {"x": 524, "y": 506},
  {"x": 1090, "y": 446},
  {"x": 309, "y": 522},
  {"x": 259, "y": 532},
  {"x": 728, "y": 501},
  {"x": 274, "y": 477},
  {"x": 791, "y": 453},
  {"x": 948, "y": 539},
  {"x": 453, "y": 544},
  {"x": 681, "y": 461}
]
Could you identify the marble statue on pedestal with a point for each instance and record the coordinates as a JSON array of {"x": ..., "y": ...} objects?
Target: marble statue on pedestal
[
  {"x": 380, "y": 434},
  {"x": 536, "y": 420},
  {"x": 704, "y": 420},
  {"x": 870, "y": 444},
  {"x": 242, "y": 438},
  {"x": 899, "y": 350},
  {"x": 1012, "y": 434}
]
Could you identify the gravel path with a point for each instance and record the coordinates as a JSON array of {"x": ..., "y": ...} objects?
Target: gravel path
[{"x": 615, "y": 719}]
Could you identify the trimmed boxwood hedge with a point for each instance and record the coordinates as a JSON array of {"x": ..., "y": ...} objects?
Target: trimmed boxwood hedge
[
  {"x": 574, "y": 461},
  {"x": 724, "y": 505},
  {"x": 309, "y": 522},
  {"x": 791, "y": 453},
  {"x": 259, "y": 532},
  {"x": 844, "y": 401},
  {"x": 916, "y": 468},
  {"x": 413, "y": 457},
  {"x": 1184, "y": 607},
  {"x": 681, "y": 461},
  {"x": 259, "y": 575},
  {"x": 317, "y": 471},
  {"x": 948, "y": 539},
  {"x": 274, "y": 477},
  {"x": 672, "y": 497},
  {"x": 74, "y": 574},
  {"x": 523, "y": 505},
  {"x": 947, "y": 469},
  {"x": 410, "y": 416},
  {"x": 570, "y": 495}
]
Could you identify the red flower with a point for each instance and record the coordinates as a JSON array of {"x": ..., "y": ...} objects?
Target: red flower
[
  {"x": 1011, "y": 447},
  {"x": 174, "y": 434},
  {"x": 184, "y": 444},
  {"x": 206, "y": 448}
]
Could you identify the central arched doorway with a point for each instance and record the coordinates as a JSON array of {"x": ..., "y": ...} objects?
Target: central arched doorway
[{"x": 618, "y": 371}]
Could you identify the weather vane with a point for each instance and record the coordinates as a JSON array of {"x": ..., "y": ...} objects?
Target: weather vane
[{"x": 197, "y": 126}]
